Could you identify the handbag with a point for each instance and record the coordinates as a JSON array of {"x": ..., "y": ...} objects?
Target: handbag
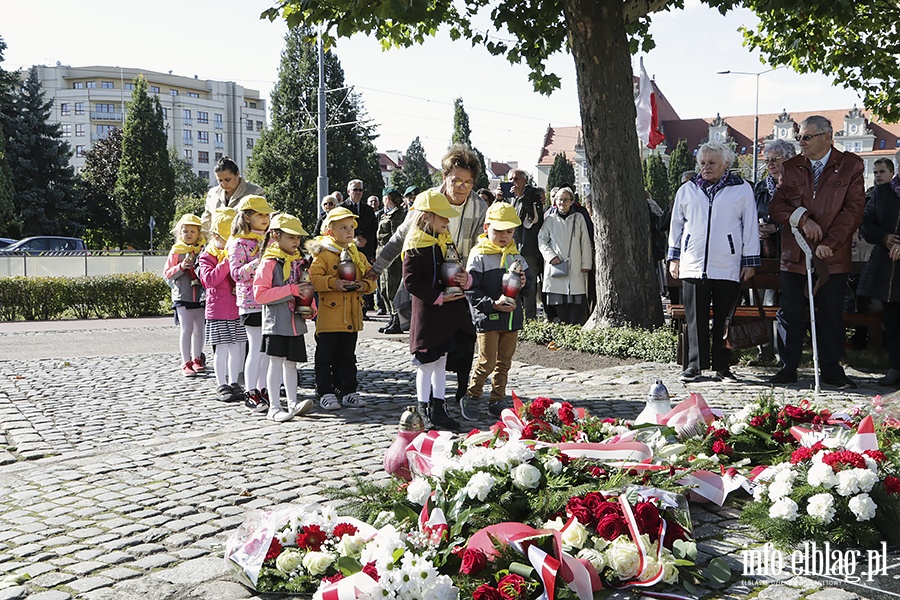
[
  {"x": 748, "y": 333},
  {"x": 560, "y": 270}
]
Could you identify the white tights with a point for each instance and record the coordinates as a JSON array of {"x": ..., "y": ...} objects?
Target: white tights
[
  {"x": 257, "y": 361},
  {"x": 229, "y": 358},
  {"x": 431, "y": 378},
  {"x": 281, "y": 369},
  {"x": 191, "y": 322}
]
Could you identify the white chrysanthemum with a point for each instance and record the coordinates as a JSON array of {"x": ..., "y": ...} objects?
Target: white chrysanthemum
[
  {"x": 821, "y": 507},
  {"x": 480, "y": 485},
  {"x": 863, "y": 507},
  {"x": 381, "y": 548},
  {"x": 783, "y": 508},
  {"x": 418, "y": 491},
  {"x": 822, "y": 475}
]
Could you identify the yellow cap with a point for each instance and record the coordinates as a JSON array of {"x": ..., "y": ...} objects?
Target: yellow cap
[
  {"x": 338, "y": 214},
  {"x": 189, "y": 219},
  {"x": 435, "y": 202},
  {"x": 502, "y": 216},
  {"x": 256, "y": 204},
  {"x": 288, "y": 224},
  {"x": 221, "y": 221}
]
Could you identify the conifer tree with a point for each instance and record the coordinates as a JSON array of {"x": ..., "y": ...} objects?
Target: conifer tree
[
  {"x": 414, "y": 171},
  {"x": 188, "y": 184},
  {"x": 462, "y": 133},
  {"x": 8, "y": 223},
  {"x": 145, "y": 186},
  {"x": 98, "y": 180},
  {"x": 679, "y": 161},
  {"x": 561, "y": 172},
  {"x": 656, "y": 179}
]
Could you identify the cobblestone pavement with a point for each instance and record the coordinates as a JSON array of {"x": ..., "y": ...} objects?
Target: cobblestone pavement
[{"x": 120, "y": 479}]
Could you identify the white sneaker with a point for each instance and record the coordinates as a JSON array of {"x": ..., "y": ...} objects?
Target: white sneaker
[
  {"x": 354, "y": 400},
  {"x": 329, "y": 402},
  {"x": 301, "y": 407},
  {"x": 280, "y": 416}
]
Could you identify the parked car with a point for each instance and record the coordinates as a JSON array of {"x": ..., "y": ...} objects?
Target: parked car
[
  {"x": 4, "y": 242},
  {"x": 45, "y": 244}
]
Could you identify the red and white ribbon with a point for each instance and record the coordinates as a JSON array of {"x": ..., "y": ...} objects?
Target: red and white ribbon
[
  {"x": 424, "y": 446},
  {"x": 348, "y": 588},
  {"x": 433, "y": 522}
]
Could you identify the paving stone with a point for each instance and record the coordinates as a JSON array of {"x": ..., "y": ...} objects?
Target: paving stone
[
  {"x": 154, "y": 561},
  {"x": 50, "y": 595},
  {"x": 833, "y": 594},
  {"x": 13, "y": 593},
  {"x": 779, "y": 592},
  {"x": 86, "y": 584},
  {"x": 52, "y": 579},
  {"x": 121, "y": 573}
]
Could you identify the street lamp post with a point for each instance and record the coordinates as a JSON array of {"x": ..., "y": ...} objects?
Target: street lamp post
[{"x": 755, "y": 116}]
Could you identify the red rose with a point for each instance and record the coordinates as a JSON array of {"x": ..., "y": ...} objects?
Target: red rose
[
  {"x": 311, "y": 537},
  {"x": 608, "y": 508},
  {"x": 512, "y": 587},
  {"x": 342, "y": 529},
  {"x": 274, "y": 549},
  {"x": 474, "y": 561},
  {"x": 610, "y": 527},
  {"x": 722, "y": 434},
  {"x": 371, "y": 571},
  {"x": 795, "y": 412},
  {"x": 577, "y": 509},
  {"x": 593, "y": 501},
  {"x": 801, "y": 454},
  {"x": 757, "y": 421},
  {"x": 597, "y": 472},
  {"x": 781, "y": 437},
  {"x": 674, "y": 532},
  {"x": 486, "y": 592},
  {"x": 720, "y": 447},
  {"x": 892, "y": 485},
  {"x": 647, "y": 516}
]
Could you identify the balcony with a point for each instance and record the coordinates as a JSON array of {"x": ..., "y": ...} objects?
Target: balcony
[
  {"x": 106, "y": 116},
  {"x": 187, "y": 121}
]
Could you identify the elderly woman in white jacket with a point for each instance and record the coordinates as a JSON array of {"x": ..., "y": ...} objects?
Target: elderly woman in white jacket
[
  {"x": 713, "y": 246},
  {"x": 566, "y": 247}
]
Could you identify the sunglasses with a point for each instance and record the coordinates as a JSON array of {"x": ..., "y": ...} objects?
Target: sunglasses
[
  {"x": 328, "y": 204},
  {"x": 809, "y": 136},
  {"x": 356, "y": 190}
]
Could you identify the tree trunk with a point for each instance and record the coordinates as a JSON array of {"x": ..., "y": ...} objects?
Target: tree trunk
[{"x": 627, "y": 290}]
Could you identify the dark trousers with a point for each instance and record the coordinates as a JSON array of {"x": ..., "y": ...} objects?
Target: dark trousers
[
  {"x": 335, "y": 363},
  {"x": 793, "y": 321},
  {"x": 530, "y": 299},
  {"x": 697, "y": 295},
  {"x": 891, "y": 314}
]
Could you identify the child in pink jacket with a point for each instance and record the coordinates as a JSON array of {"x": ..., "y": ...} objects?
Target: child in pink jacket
[
  {"x": 187, "y": 292},
  {"x": 223, "y": 326}
]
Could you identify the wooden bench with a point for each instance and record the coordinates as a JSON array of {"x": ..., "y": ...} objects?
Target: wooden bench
[{"x": 767, "y": 277}]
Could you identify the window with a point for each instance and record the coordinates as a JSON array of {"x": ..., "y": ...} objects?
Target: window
[
  {"x": 881, "y": 144},
  {"x": 218, "y": 120},
  {"x": 249, "y": 143},
  {"x": 165, "y": 112},
  {"x": 105, "y": 108},
  {"x": 202, "y": 117},
  {"x": 90, "y": 85},
  {"x": 219, "y": 156},
  {"x": 193, "y": 95},
  {"x": 203, "y": 157},
  {"x": 187, "y": 137},
  {"x": 65, "y": 131},
  {"x": 173, "y": 92},
  {"x": 64, "y": 108},
  {"x": 220, "y": 142},
  {"x": 253, "y": 105},
  {"x": 203, "y": 137},
  {"x": 897, "y": 144},
  {"x": 107, "y": 85},
  {"x": 79, "y": 130},
  {"x": 103, "y": 131},
  {"x": 78, "y": 85},
  {"x": 189, "y": 155},
  {"x": 79, "y": 108},
  {"x": 203, "y": 174},
  {"x": 249, "y": 124},
  {"x": 154, "y": 89},
  {"x": 79, "y": 151},
  {"x": 259, "y": 125},
  {"x": 129, "y": 86},
  {"x": 186, "y": 117}
]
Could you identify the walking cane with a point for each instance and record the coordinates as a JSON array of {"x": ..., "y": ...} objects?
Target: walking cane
[{"x": 801, "y": 240}]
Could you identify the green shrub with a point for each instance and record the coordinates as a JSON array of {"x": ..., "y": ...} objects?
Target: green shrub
[
  {"x": 658, "y": 345},
  {"x": 44, "y": 298}
]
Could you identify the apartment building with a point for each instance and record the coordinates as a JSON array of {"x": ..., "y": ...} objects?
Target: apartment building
[{"x": 204, "y": 119}]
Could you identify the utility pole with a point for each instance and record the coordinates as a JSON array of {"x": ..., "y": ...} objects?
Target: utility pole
[{"x": 322, "y": 180}]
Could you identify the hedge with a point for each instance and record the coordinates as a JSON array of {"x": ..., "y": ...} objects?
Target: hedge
[
  {"x": 44, "y": 298},
  {"x": 659, "y": 345}
]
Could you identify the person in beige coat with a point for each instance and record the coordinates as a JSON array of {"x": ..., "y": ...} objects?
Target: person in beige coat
[{"x": 566, "y": 247}]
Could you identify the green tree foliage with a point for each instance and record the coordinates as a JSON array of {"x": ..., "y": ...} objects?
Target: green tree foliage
[
  {"x": 146, "y": 184},
  {"x": 285, "y": 160},
  {"x": 45, "y": 196},
  {"x": 415, "y": 169},
  {"x": 680, "y": 160},
  {"x": 656, "y": 179},
  {"x": 8, "y": 222},
  {"x": 187, "y": 182},
  {"x": 463, "y": 134},
  {"x": 562, "y": 173},
  {"x": 98, "y": 181}
]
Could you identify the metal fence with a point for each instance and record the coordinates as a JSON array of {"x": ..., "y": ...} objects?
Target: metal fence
[{"x": 81, "y": 264}]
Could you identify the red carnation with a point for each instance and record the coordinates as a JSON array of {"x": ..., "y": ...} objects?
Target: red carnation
[
  {"x": 567, "y": 414},
  {"x": 796, "y": 413},
  {"x": 529, "y": 432},
  {"x": 539, "y": 406},
  {"x": 876, "y": 455},
  {"x": 512, "y": 587},
  {"x": 801, "y": 454},
  {"x": 274, "y": 549},
  {"x": 610, "y": 527},
  {"x": 844, "y": 457},
  {"x": 647, "y": 516},
  {"x": 333, "y": 578},
  {"x": 311, "y": 537},
  {"x": 486, "y": 592},
  {"x": 892, "y": 485},
  {"x": 474, "y": 561},
  {"x": 342, "y": 529},
  {"x": 576, "y": 507},
  {"x": 371, "y": 571},
  {"x": 720, "y": 447}
]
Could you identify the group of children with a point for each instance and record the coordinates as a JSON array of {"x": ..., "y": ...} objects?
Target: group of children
[{"x": 255, "y": 289}]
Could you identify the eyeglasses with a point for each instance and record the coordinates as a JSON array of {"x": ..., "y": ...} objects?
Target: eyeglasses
[
  {"x": 772, "y": 161},
  {"x": 809, "y": 136},
  {"x": 327, "y": 205},
  {"x": 356, "y": 190},
  {"x": 461, "y": 182}
]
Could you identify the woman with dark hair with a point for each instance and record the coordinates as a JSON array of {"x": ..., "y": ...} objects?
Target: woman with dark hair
[{"x": 231, "y": 190}]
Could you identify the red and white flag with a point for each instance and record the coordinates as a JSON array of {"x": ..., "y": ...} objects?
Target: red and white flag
[
  {"x": 647, "y": 115},
  {"x": 865, "y": 438}
]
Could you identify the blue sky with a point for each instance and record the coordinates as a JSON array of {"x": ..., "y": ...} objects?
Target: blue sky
[{"x": 409, "y": 92}]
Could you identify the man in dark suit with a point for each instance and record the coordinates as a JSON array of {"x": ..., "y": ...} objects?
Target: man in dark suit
[
  {"x": 366, "y": 229},
  {"x": 530, "y": 209},
  {"x": 821, "y": 195}
]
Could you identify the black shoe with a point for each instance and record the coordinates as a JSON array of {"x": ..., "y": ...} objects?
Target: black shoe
[
  {"x": 725, "y": 375},
  {"x": 393, "y": 326},
  {"x": 842, "y": 382},
  {"x": 425, "y": 411},
  {"x": 495, "y": 408},
  {"x": 224, "y": 393},
  {"x": 891, "y": 379},
  {"x": 441, "y": 419},
  {"x": 468, "y": 408},
  {"x": 785, "y": 375},
  {"x": 237, "y": 393},
  {"x": 690, "y": 374}
]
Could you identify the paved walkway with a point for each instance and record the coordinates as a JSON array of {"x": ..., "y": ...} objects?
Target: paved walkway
[{"x": 120, "y": 479}]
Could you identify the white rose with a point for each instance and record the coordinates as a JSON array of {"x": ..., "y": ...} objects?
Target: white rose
[
  {"x": 418, "y": 491},
  {"x": 350, "y": 545},
  {"x": 556, "y": 524},
  {"x": 553, "y": 465},
  {"x": 575, "y": 536},
  {"x": 670, "y": 571},
  {"x": 863, "y": 507},
  {"x": 821, "y": 506},
  {"x": 317, "y": 562},
  {"x": 623, "y": 557},
  {"x": 526, "y": 476},
  {"x": 595, "y": 557},
  {"x": 480, "y": 485},
  {"x": 734, "y": 429},
  {"x": 822, "y": 475},
  {"x": 784, "y": 508},
  {"x": 289, "y": 560}
]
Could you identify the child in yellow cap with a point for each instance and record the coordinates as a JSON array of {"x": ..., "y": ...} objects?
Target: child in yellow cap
[
  {"x": 276, "y": 286},
  {"x": 437, "y": 314},
  {"x": 340, "y": 308},
  {"x": 497, "y": 319},
  {"x": 245, "y": 248},
  {"x": 187, "y": 292}
]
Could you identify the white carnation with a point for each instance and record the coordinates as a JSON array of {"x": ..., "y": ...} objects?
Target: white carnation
[
  {"x": 866, "y": 479},
  {"x": 480, "y": 485},
  {"x": 783, "y": 508},
  {"x": 418, "y": 491},
  {"x": 821, "y": 506},
  {"x": 779, "y": 489},
  {"x": 863, "y": 507},
  {"x": 822, "y": 475},
  {"x": 854, "y": 481}
]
